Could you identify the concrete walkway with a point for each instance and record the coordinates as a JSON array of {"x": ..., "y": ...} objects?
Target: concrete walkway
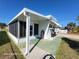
[
  {"x": 37, "y": 53},
  {"x": 70, "y": 36}
]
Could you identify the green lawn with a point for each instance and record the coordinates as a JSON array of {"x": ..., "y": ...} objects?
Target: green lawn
[{"x": 8, "y": 50}]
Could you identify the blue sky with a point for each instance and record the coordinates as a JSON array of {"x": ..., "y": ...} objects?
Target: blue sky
[{"x": 64, "y": 10}]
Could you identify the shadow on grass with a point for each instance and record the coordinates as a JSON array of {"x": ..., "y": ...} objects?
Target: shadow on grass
[
  {"x": 73, "y": 44},
  {"x": 3, "y": 38}
]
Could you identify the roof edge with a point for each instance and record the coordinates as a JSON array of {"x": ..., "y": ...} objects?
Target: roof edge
[{"x": 27, "y": 10}]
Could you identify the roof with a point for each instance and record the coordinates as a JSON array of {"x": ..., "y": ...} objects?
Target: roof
[
  {"x": 51, "y": 17},
  {"x": 56, "y": 23},
  {"x": 33, "y": 12},
  {"x": 27, "y": 10}
]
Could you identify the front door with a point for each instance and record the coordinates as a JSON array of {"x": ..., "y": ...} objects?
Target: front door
[
  {"x": 36, "y": 29},
  {"x": 31, "y": 30}
]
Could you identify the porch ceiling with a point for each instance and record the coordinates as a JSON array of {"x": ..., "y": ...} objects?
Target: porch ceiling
[
  {"x": 55, "y": 24},
  {"x": 32, "y": 17}
]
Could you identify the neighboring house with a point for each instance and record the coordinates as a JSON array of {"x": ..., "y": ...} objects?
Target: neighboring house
[
  {"x": 31, "y": 23},
  {"x": 3, "y": 26}
]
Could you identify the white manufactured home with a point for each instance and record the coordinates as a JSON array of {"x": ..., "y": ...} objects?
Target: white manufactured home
[{"x": 31, "y": 24}]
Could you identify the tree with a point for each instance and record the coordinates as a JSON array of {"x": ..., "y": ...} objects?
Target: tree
[
  {"x": 70, "y": 26},
  {"x": 3, "y": 24}
]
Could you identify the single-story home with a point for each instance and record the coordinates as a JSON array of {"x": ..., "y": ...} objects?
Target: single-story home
[{"x": 36, "y": 25}]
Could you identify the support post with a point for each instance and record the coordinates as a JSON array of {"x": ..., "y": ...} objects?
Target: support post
[
  {"x": 18, "y": 31},
  {"x": 27, "y": 34}
]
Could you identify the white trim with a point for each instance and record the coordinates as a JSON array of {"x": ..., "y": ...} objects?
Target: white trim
[
  {"x": 53, "y": 19},
  {"x": 17, "y": 15},
  {"x": 18, "y": 30},
  {"x": 27, "y": 10},
  {"x": 56, "y": 23},
  {"x": 38, "y": 14}
]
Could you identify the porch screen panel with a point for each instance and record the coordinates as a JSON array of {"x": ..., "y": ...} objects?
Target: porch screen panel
[
  {"x": 13, "y": 28},
  {"x": 22, "y": 29}
]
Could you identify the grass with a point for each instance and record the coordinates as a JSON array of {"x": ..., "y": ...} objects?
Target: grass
[
  {"x": 8, "y": 50},
  {"x": 50, "y": 45},
  {"x": 68, "y": 49}
]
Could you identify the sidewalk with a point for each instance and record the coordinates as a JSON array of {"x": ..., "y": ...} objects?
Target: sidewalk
[
  {"x": 37, "y": 53},
  {"x": 45, "y": 47}
]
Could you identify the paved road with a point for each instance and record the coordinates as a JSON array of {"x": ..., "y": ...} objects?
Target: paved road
[{"x": 70, "y": 36}]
